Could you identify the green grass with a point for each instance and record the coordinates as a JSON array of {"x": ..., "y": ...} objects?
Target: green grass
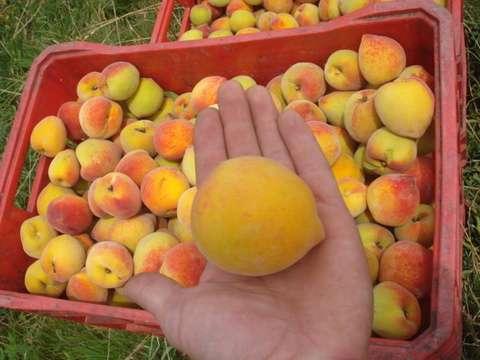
[{"x": 27, "y": 27}]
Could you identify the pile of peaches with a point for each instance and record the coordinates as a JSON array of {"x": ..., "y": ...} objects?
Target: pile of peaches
[
  {"x": 119, "y": 199},
  {"x": 221, "y": 18}
]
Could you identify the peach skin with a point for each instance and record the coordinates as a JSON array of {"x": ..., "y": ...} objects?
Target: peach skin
[
  {"x": 204, "y": 93},
  {"x": 346, "y": 167},
  {"x": 406, "y": 106},
  {"x": 220, "y": 34},
  {"x": 35, "y": 233},
  {"x": 283, "y": 21},
  {"x": 184, "y": 207},
  {"x": 109, "y": 264},
  {"x": 100, "y": 117},
  {"x": 278, "y": 6},
  {"x": 136, "y": 164},
  {"x": 39, "y": 283},
  {"x": 138, "y": 135},
  {"x": 69, "y": 214},
  {"x": 97, "y": 158},
  {"x": 392, "y": 199},
  {"x": 419, "y": 72},
  {"x": 48, "y": 194},
  {"x": 129, "y": 232},
  {"x": 354, "y": 194},
  {"x": 275, "y": 88},
  {"x": 192, "y": 34},
  {"x": 118, "y": 299},
  {"x": 69, "y": 113},
  {"x": 360, "y": 117},
  {"x": 307, "y": 110},
  {"x": 373, "y": 265},
  {"x": 147, "y": 99},
  {"x": 161, "y": 189},
  {"x": 423, "y": 169},
  {"x": 396, "y": 311},
  {"x": 409, "y": 264},
  {"x": 247, "y": 30},
  {"x": 347, "y": 144},
  {"x": 172, "y": 137},
  {"x": 103, "y": 228},
  {"x": 85, "y": 240},
  {"x": 342, "y": 71},
  {"x": 166, "y": 110},
  {"x": 150, "y": 251},
  {"x": 241, "y": 19},
  {"x": 161, "y": 161},
  {"x": 235, "y": 5},
  {"x": 63, "y": 257},
  {"x": 420, "y": 228},
  {"x": 222, "y": 23},
  {"x": 328, "y": 9},
  {"x": 381, "y": 59},
  {"x": 91, "y": 85},
  {"x": 49, "y": 136},
  {"x": 81, "y": 288},
  {"x": 117, "y": 195},
  {"x": 333, "y": 106},
  {"x": 64, "y": 170},
  {"x": 188, "y": 165},
  {"x": 184, "y": 264},
  {"x": 327, "y": 139},
  {"x": 364, "y": 218},
  {"x": 395, "y": 152},
  {"x": 121, "y": 80},
  {"x": 245, "y": 81},
  {"x": 181, "y": 106},
  {"x": 303, "y": 81},
  {"x": 306, "y": 14},
  {"x": 180, "y": 231},
  {"x": 375, "y": 238},
  {"x": 349, "y": 6},
  {"x": 264, "y": 20},
  {"x": 200, "y": 14}
]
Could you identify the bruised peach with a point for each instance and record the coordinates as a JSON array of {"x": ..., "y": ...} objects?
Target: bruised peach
[
  {"x": 138, "y": 135},
  {"x": 204, "y": 93},
  {"x": 69, "y": 113},
  {"x": 172, "y": 138},
  {"x": 392, "y": 199},
  {"x": 129, "y": 232},
  {"x": 91, "y": 85},
  {"x": 81, "y": 288},
  {"x": 423, "y": 169},
  {"x": 327, "y": 140},
  {"x": 360, "y": 117},
  {"x": 161, "y": 189},
  {"x": 97, "y": 158},
  {"x": 354, "y": 194},
  {"x": 49, "y": 136},
  {"x": 307, "y": 110},
  {"x": 64, "y": 170},
  {"x": 303, "y": 81},
  {"x": 381, "y": 59},
  {"x": 121, "y": 80},
  {"x": 184, "y": 264},
  {"x": 136, "y": 164},
  {"x": 333, "y": 106},
  {"x": 150, "y": 251},
  {"x": 409, "y": 264},
  {"x": 69, "y": 214},
  {"x": 48, "y": 194},
  {"x": 420, "y": 228},
  {"x": 346, "y": 167}
]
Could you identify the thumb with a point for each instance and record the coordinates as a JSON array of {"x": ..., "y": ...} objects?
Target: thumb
[{"x": 152, "y": 291}]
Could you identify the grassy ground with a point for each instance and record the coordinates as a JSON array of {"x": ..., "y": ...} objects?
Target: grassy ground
[{"x": 26, "y": 27}]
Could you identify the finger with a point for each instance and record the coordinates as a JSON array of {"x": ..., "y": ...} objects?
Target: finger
[
  {"x": 238, "y": 129},
  {"x": 209, "y": 143},
  {"x": 153, "y": 292},
  {"x": 309, "y": 162},
  {"x": 265, "y": 119}
]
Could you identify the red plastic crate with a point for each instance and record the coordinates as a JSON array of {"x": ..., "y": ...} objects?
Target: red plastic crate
[{"x": 424, "y": 31}]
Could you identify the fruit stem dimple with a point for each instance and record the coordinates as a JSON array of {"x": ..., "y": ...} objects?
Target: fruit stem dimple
[
  {"x": 108, "y": 271},
  {"x": 142, "y": 130}
]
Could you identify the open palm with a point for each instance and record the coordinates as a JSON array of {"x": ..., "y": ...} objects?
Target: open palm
[{"x": 319, "y": 308}]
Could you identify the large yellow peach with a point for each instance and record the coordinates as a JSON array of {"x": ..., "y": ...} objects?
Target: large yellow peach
[
  {"x": 81, "y": 288},
  {"x": 248, "y": 193},
  {"x": 150, "y": 251},
  {"x": 136, "y": 164},
  {"x": 147, "y": 99},
  {"x": 405, "y": 106},
  {"x": 49, "y": 136},
  {"x": 109, "y": 264},
  {"x": 333, "y": 106},
  {"x": 64, "y": 170},
  {"x": 303, "y": 81},
  {"x": 184, "y": 264},
  {"x": 48, "y": 194},
  {"x": 360, "y": 117},
  {"x": 381, "y": 59},
  {"x": 97, "y": 158},
  {"x": 327, "y": 139},
  {"x": 35, "y": 233},
  {"x": 161, "y": 189},
  {"x": 129, "y": 232},
  {"x": 62, "y": 257},
  {"x": 342, "y": 71},
  {"x": 39, "y": 283},
  {"x": 392, "y": 199},
  {"x": 121, "y": 80}
]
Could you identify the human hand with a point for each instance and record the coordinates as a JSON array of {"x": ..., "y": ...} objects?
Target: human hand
[{"x": 319, "y": 308}]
